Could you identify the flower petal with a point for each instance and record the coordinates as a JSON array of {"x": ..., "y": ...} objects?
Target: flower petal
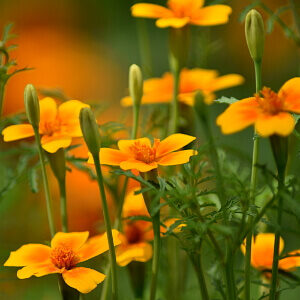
[
  {"x": 176, "y": 158},
  {"x": 52, "y": 143},
  {"x": 83, "y": 279},
  {"x": 97, "y": 245},
  {"x": 172, "y": 22},
  {"x": 290, "y": 262},
  {"x": 290, "y": 91},
  {"x": 37, "y": 270},
  {"x": 17, "y": 132},
  {"x": 73, "y": 240},
  {"x": 134, "y": 204},
  {"x": 147, "y": 10},
  {"x": 185, "y": 6},
  {"x": 27, "y": 255},
  {"x": 262, "y": 250},
  {"x": 48, "y": 110},
  {"x": 111, "y": 157},
  {"x": 227, "y": 81},
  {"x": 172, "y": 143},
  {"x": 239, "y": 115},
  {"x": 69, "y": 116},
  {"x": 211, "y": 15},
  {"x": 136, "y": 252},
  {"x": 133, "y": 164},
  {"x": 282, "y": 124},
  {"x": 126, "y": 145}
]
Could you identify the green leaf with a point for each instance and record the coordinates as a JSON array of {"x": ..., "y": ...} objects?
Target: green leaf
[
  {"x": 33, "y": 180},
  {"x": 226, "y": 100},
  {"x": 273, "y": 18}
]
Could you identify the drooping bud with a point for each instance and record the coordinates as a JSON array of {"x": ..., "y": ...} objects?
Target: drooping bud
[
  {"x": 90, "y": 130},
  {"x": 58, "y": 164},
  {"x": 255, "y": 34},
  {"x": 135, "y": 84},
  {"x": 32, "y": 105}
]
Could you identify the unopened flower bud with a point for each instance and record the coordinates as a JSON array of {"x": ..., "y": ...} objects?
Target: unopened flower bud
[
  {"x": 32, "y": 105},
  {"x": 58, "y": 164},
  {"x": 135, "y": 84},
  {"x": 90, "y": 130},
  {"x": 255, "y": 34}
]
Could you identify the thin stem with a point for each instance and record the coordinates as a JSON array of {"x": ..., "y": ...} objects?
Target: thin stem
[
  {"x": 174, "y": 104},
  {"x": 258, "y": 82},
  {"x": 63, "y": 205},
  {"x": 112, "y": 253},
  {"x": 2, "y": 88},
  {"x": 229, "y": 274},
  {"x": 45, "y": 181},
  {"x": 276, "y": 254},
  {"x": 156, "y": 254},
  {"x": 197, "y": 264},
  {"x": 67, "y": 293},
  {"x": 295, "y": 15}
]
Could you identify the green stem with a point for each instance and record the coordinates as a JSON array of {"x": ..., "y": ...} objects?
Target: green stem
[
  {"x": 276, "y": 254},
  {"x": 229, "y": 274},
  {"x": 197, "y": 264},
  {"x": 45, "y": 181},
  {"x": 63, "y": 205},
  {"x": 174, "y": 104},
  {"x": 296, "y": 15},
  {"x": 112, "y": 253},
  {"x": 258, "y": 83},
  {"x": 2, "y": 88},
  {"x": 156, "y": 254},
  {"x": 67, "y": 293}
]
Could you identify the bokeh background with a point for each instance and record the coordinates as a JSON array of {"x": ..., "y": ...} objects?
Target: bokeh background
[{"x": 84, "y": 48}]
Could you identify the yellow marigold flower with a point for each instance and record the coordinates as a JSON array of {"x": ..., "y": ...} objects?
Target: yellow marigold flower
[
  {"x": 137, "y": 234},
  {"x": 140, "y": 155},
  {"x": 66, "y": 251},
  {"x": 160, "y": 90},
  {"x": 262, "y": 253},
  {"x": 58, "y": 125},
  {"x": 269, "y": 113},
  {"x": 182, "y": 12}
]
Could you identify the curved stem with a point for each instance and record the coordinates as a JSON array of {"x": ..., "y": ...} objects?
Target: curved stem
[
  {"x": 112, "y": 254},
  {"x": 156, "y": 254},
  {"x": 258, "y": 81},
  {"x": 45, "y": 182}
]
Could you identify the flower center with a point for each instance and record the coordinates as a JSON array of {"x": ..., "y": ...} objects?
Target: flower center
[
  {"x": 270, "y": 101},
  {"x": 49, "y": 128},
  {"x": 133, "y": 234},
  {"x": 64, "y": 257},
  {"x": 143, "y": 152}
]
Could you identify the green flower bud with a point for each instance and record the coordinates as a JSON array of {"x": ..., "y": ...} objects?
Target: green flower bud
[
  {"x": 32, "y": 105},
  {"x": 58, "y": 164},
  {"x": 255, "y": 34},
  {"x": 90, "y": 130},
  {"x": 136, "y": 84}
]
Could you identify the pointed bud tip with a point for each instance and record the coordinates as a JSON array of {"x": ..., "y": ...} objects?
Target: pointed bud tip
[
  {"x": 135, "y": 84},
  {"x": 90, "y": 130},
  {"x": 255, "y": 34},
  {"x": 32, "y": 105}
]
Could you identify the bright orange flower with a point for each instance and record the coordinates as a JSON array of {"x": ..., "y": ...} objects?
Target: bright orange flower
[
  {"x": 142, "y": 156},
  {"x": 270, "y": 113},
  {"x": 137, "y": 234},
  {"x": 182, "y": 12},
  {"x": 160, "y": 90},
  {"x": 66, "y": 251},
  {"x": 57, "y": 125},
  {"x": 262, "y": 253}
]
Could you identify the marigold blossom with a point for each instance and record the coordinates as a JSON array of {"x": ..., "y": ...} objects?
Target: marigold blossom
[
  {"x": 160, "y": 90},
  {"x": 58, "y": 125},
  {"x": 66, "y": 251},
  {"x": 270, "y": 113},
  {"x": 140, "y": 155},
  {"x": 262, "y": 253},
  {"x": 179, "y": 13}
]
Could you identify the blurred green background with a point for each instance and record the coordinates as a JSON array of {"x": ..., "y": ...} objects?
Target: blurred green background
[{"x": 84, "y": 48}]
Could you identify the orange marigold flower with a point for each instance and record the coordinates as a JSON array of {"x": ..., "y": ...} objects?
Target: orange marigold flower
[
  {"x": 58, "y": 125},
  {"x": 137, "y": 234},
  {"x": 262, "y": 253},
  {"x": 66, "y": 251},
  {"x": 269, "y": 113},
  {"x": 182, "y": 12},
  {"x": 140, "y": 155},
  {"x": 160, "y": 90}
]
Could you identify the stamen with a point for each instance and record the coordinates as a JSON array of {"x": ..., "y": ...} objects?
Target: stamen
[
  {"x": 270, "y": 102},
  {"x": 64, "y": 257},
  {"x": 133, "y": 234},
  {"x": 143, "y": 152}
]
